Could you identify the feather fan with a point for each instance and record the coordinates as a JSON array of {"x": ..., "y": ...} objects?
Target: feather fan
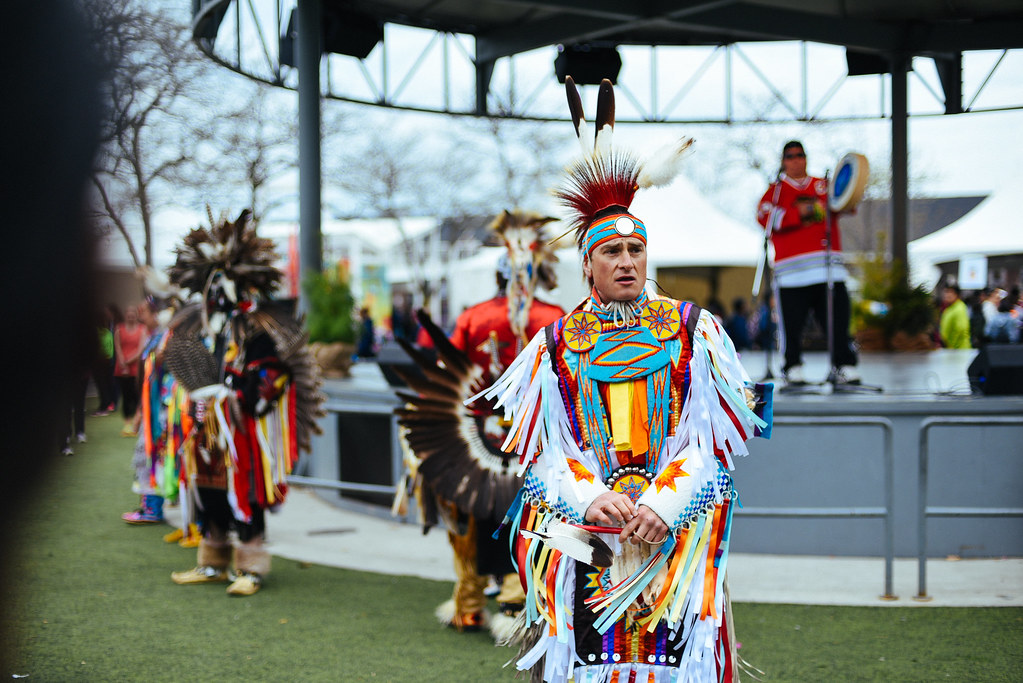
[{"x": 579, "y": 544}]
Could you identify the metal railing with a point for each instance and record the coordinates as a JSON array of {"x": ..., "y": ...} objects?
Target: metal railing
[
  {"x": 351, "y": 486},
  {"x": 925, "y": 511},
  {"x": 884, "y": 512}
]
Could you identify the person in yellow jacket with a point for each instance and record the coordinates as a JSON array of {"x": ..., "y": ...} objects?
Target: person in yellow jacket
[{"x": 954, "y": 325}]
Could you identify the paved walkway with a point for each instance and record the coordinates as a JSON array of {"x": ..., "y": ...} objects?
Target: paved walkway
[{"x": 310, "y": 529}]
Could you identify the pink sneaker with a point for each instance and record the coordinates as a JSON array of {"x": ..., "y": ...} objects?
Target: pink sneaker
[{"x": 140, "y": 517}]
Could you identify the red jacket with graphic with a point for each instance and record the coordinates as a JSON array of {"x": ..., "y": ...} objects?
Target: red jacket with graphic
[
  {"x": 479, "y": 328},
  {"x": 799, "y": 251}
]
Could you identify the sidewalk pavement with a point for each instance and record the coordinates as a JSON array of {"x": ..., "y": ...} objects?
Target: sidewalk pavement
[{"x": 311, "y": 529}]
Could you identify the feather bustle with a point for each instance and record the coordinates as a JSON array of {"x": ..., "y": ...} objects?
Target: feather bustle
[{"x": 453, "y": 461}]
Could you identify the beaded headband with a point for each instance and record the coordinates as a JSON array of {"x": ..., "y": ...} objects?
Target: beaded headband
[{"x": 612, "y": 227}]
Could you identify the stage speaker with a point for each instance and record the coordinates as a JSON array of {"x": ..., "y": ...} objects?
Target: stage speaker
[
  {"x": 344, "y": 32},
  {"x": 997, "y": 370},
  {"x": 587, "y": 64},
  {"x": 286, "y": 42},
  {"x": 866, "y": 63},
  {"x": 349, "y": 32},
  {"x": 207, "y": 29}
]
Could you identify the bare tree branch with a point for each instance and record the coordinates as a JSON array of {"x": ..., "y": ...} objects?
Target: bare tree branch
[
  {"x": 153, "y": 78},
  {"x": 115, "y": 217}
]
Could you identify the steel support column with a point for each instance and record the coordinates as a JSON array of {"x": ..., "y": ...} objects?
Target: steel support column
[
  {"x": 900, "y": 158},
  {"x": 308, "y": 50}
]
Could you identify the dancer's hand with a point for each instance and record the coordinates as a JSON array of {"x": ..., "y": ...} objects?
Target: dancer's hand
[
  {"x": 611, "y": 509},
  {"x": 646, "y": 526}
]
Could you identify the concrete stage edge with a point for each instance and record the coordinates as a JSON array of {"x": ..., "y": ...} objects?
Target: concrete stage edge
[{"x": 826, "y": 458}]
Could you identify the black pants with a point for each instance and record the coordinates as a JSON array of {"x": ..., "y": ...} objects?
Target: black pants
[
  {"x": 79, "y": 387},
  {"x": 216, "y": 517},
  {"x": 103, "y": 378},
  {"x": 129, "y": 396},
  {"x": 796, "y": 304}
]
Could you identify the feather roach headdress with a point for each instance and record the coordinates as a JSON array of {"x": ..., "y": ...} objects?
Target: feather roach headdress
[
  {"x": 600, "y": 186},
  {"x": 230, "y": 266},
  {"x": 531, "y": 258},
  {"x": 231, "y": 250}
]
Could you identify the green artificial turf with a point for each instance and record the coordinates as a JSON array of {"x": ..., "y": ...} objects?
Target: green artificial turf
[{"x": 90, "y": 599}]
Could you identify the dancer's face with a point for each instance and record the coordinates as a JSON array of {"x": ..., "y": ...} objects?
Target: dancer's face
[
  {"x": 617, "y": 269},
  {"x": 794, "y": 162}
]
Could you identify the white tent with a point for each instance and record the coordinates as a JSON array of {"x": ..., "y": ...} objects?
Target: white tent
[
  {"x": 993, "y": 228},
  {"x": 684, "y": 229},
  {"x": 472, "y": 280}
]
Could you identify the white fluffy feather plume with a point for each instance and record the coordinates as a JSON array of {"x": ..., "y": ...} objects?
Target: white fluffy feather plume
[
  {"x": 662, "y": 168},
  {"x": 157, "y": 283}
]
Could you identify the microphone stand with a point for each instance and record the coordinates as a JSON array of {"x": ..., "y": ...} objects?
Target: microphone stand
[
  {"x": 833, "y": 374},
  {"x": 828, "y": 219},
  {"x": 761, "y": 268}
]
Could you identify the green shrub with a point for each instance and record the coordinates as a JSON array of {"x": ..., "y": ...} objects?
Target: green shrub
[
  {"x": 330, "y": 307},
  {"x": 887, "y": 301}
]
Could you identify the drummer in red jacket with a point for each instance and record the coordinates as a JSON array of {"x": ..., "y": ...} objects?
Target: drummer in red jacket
[{"x": 794, "y": 211}]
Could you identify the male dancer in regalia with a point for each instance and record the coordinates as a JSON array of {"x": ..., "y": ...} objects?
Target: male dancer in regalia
[
  {"x": 251, "y": 402},
  {"x": 485, "y": 340},
  {"x": 626, "y": 416}
]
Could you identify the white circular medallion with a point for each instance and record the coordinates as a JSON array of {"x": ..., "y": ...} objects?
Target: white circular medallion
[{"x": 625, "y": 226}]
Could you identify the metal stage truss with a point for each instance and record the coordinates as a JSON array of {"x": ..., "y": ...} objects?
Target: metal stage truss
[{"x": 436, "y": 70}]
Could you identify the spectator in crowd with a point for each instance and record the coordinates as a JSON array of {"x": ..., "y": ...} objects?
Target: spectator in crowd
[
  {"x": 115, "y": 317},
  {"x": 737, "y": 325},
  {"x": 765, "y": 324},
  {"x": 366, "y": 346},
  {"x": 717, "y": 309},
  {"x": 978, "y": 320},
  {"x": 403, "y": 320},
  {"x": 1004, "y": 326},
  {"x": 954, "y": 325},
  {"x": 989, "y": 299},
  {"x": 1017, "y": 302},
  {"x": 129, "y": 338},
  {"x": 103, "y": 365}
]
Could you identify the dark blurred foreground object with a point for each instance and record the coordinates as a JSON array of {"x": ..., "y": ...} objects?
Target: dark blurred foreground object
[{"x": 51, "y": 123}]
